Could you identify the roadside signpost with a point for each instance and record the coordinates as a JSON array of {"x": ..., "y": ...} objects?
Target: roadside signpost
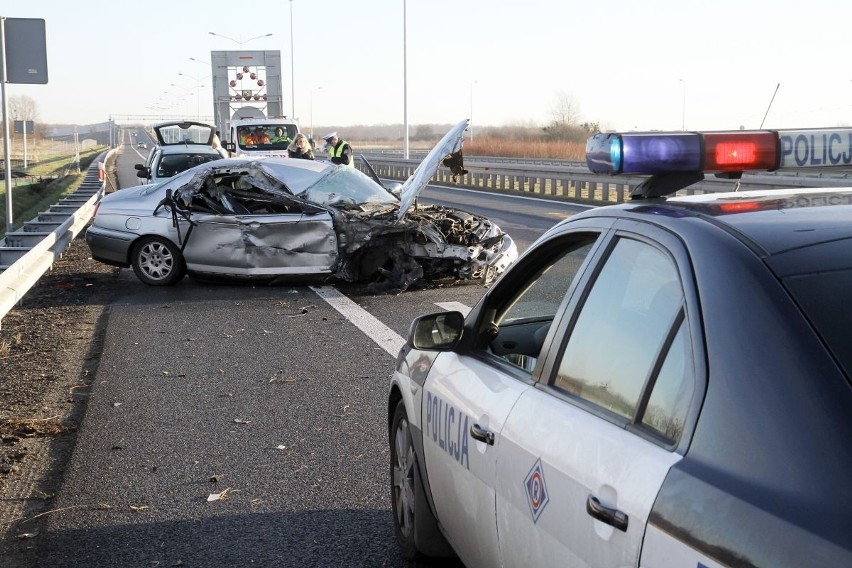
[{"x": 23, "y": 60}]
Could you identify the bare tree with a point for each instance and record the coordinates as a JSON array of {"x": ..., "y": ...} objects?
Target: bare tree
[
  {"x": 565, "y": 110},
  {"x": 564, "y": 124},
  {"x": 23, "y": 107}
]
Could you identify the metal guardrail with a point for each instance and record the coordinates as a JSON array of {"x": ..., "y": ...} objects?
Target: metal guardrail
[
  {"x": 27, "y": 253},
  {"x": 574, "y": 182}
]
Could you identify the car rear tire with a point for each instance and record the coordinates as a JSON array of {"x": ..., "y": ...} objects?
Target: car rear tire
[{"x": 157, "y": 261}]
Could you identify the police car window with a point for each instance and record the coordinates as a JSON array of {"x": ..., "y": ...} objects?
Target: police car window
[
  {"x": 673, "y": 390},
  {"x": 623, "y": 327},
  {"x": 547, "y": 288},
  {"x": 525, "y": 318}
]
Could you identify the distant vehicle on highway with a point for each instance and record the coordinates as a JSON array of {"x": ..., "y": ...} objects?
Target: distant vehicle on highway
[
  {"x": 282, "y": 217},
  {"x": 180, "y": 146},
  {"x": 141, "y": 145},
  {"x": 665, "y": 382}
]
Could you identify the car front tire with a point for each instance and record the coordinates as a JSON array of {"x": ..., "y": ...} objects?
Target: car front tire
[
  {"x": 157, "y": 261},
  {"x": 415, "y": 525},
  {"x": 403, "y": 464}
]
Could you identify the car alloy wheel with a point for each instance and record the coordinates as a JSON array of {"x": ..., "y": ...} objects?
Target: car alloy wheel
[
  {"x": 157, "y": 261},
  {"x": 403, "y": 480}
]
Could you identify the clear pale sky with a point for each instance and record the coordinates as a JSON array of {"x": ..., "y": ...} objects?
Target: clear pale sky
[{"x": 626, "y": 64}]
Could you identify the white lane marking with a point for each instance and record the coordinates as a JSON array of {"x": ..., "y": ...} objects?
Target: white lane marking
[
  {"x": 454, "y": 306},
  {"x": 385, "y": 337}
]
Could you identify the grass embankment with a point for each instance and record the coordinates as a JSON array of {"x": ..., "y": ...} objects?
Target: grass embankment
[
  {"x": 51, "y": 183},
  {"x": 520, "y": 148},
  {"x": 508, "y": 147}
]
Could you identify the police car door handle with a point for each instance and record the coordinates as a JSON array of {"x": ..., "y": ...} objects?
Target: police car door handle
[
  {"x": 477, "y": 432},
  {"x": 605, "y": 514}
]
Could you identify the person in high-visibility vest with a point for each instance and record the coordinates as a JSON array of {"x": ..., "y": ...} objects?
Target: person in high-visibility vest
[{"x": 339, "y": 150}]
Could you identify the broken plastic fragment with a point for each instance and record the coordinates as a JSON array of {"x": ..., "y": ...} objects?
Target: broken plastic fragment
[{"x": 218, "y": 496}]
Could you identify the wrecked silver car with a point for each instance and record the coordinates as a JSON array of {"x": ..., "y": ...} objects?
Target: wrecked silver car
[{"x": 278, "y": 218}]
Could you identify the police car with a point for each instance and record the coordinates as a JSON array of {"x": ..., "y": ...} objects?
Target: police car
[{"x": 665, "y": 382}]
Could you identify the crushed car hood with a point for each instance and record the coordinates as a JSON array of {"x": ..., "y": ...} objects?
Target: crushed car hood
[{"x": 449, "y": 144}]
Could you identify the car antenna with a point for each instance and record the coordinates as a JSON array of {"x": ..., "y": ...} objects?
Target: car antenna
[
  {"x": 778, "y": 86},
  {"x": 772, "y": 100}
]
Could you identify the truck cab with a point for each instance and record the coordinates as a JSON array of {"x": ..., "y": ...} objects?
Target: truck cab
[{"x": 255, "y": 137}]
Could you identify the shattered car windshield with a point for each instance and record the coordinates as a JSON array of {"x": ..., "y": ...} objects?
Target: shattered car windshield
[
  {"x": 347, "y": 186},
  {"x": 296, "y": 179}
]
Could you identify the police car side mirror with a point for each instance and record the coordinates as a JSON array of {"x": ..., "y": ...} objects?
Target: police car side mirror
[
  {"x": 436, "y": 332},
  {"x": 230, "y": 146},
  {"x": 142, "y": 171}
]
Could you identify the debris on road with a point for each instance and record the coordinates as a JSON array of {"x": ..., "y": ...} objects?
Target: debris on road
[{"x": 218, "y": 496}]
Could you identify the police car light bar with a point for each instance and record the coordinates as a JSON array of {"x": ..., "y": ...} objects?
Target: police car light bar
[{"x": 718, "y": 152}]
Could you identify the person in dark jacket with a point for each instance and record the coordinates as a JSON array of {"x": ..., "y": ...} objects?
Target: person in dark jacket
[
  {"x": 339, "y": 150},
  {"x": 300, "y": 148}
]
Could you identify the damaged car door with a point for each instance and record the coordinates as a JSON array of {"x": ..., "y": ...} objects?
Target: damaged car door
[{"x": 242, "y": 226}]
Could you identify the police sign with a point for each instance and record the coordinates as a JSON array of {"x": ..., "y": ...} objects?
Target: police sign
[{"x": 815, "y": 148}]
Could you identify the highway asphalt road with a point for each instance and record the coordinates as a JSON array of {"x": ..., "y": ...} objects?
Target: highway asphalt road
[{"x": 242, "y": 425}]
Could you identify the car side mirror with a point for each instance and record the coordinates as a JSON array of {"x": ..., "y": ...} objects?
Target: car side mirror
[
  {"x": 436, "y": 332},
  {"x": 138, "y": 166},
  {"x": 230, "y": 146},
  {"x": 143, "y": 172}
]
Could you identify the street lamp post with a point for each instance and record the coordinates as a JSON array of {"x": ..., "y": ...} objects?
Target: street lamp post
[
  {"x": 472, "y": 83},
  {"x": 312, "y": 110},
  {"x": 210, "y": 67},
  {"x": 186, "y": 90},
  {"x": 683, "y": 106},
  {"x": 405, "y": 77},
  {"x": 239, "y": 41},
  {"x": 292, "y": 58},
  {"x": 198, "y": 86}
]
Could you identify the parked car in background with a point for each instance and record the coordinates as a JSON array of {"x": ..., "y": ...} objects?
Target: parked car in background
[
  {"x": 665, "y": 382},
  {"x": 280, "y": 217},
  {"x": 180, "y": 146}
]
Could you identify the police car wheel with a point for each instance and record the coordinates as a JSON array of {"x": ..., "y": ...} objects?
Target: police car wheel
[{"x": 403, "y": 466}]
